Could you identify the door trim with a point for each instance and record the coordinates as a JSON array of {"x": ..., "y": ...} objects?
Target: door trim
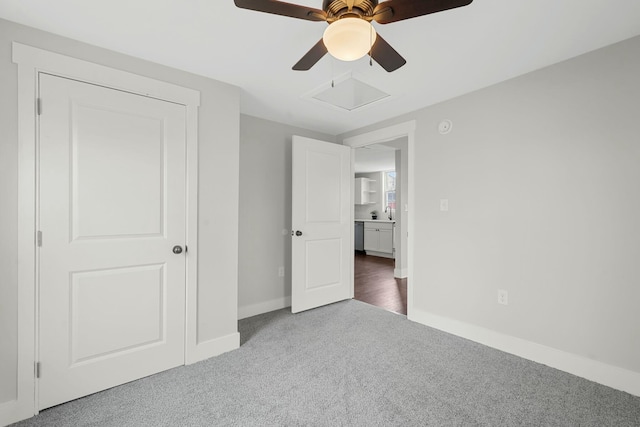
[
  {"x": 32, "y": 61},
  {"x": 405, "y": 129}
]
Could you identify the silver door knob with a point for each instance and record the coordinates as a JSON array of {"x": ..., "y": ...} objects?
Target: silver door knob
[{"x": 177, "y": 249}]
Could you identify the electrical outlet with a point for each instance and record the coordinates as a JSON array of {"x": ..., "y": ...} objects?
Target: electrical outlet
[
  {"x": 280, "y": 271},
  {"x": 444, "y": 205},
  {"x": 503, "y": 297}
]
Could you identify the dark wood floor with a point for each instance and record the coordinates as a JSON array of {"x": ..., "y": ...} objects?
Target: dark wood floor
[{"x": 374, "y": 283}]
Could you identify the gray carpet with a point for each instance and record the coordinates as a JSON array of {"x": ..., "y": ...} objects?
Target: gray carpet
[{"x": 351, "y": 364}]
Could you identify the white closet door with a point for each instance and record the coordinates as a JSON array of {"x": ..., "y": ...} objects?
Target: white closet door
[{"x": 111, "y": 210}]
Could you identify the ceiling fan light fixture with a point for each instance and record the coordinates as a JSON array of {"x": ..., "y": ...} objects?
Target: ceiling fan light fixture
[{"x": 350, "y": 38}]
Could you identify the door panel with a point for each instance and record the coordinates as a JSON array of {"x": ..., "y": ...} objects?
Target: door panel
[
  {"x": 323, "y": 177},
  {"x": 111, "y": 207},
  {"x": 324, "y": 266},
  {"x": 321, "y": 199},
  {"x": 132, "y": 196},
  {"x": 96, "y": 331}
]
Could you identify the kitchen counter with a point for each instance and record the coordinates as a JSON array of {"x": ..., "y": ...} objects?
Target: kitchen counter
[{"x": 375, "y": 220}]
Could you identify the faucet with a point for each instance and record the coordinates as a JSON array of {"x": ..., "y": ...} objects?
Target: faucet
[{"x": 388, "y": 209}]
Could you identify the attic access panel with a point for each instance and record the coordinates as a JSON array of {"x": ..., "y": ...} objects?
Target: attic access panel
[{"x": 350, "y": 94}]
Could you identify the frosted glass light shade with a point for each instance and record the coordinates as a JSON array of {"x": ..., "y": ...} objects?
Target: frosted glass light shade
[{"x": 349, "y": 39}]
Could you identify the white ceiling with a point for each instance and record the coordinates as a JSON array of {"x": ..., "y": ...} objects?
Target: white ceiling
[
  {"x": 448, "y": 53},
  {"x": 374, "y": 158}
]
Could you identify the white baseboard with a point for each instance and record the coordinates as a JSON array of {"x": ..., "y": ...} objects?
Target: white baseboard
[
  {"x": 400, "y": 273},
  {"x": 263, "y": 307},
  {"x": 609, "y": 375},
  {"x": 214, "y": 347},
  {"x": 380, "y": 254},
  {"x": 9, "y": 413},
  {"x": 13, "y": 411}
]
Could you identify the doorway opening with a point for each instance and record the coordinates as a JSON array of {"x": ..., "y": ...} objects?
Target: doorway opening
[{"x": 381, "y": 223}]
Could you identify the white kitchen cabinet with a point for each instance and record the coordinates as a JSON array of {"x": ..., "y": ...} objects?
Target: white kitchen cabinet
[
  {"x": 364, "y": 190},
  {"x": 385, "y": 241},
  {"x": 378, "y": 238},
  {"x": 371, "y": 239}
]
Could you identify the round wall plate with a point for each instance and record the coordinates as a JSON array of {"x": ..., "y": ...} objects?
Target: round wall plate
[{"x": 445, "y": 126}]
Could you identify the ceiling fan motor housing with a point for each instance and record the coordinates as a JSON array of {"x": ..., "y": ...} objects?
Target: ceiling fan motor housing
[{"x": 337, "y": 8}]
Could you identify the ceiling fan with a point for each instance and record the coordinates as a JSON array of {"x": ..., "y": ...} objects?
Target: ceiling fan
[{"x": 350, "y": 34}]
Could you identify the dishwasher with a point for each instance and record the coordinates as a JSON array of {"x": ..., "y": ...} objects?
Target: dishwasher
[{"x": 359, "y": 243}]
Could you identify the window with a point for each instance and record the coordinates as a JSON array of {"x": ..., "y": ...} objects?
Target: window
[{"x": 390, "y": 190}]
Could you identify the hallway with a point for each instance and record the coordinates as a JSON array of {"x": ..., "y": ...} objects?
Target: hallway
[{"x": 374, "y": 283}]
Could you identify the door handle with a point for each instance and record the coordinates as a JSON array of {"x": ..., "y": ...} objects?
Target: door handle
[
  {"x": 298, "y": 233},
  {"x": 177, "y": 249}
]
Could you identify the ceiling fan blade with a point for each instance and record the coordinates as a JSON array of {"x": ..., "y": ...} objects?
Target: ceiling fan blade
[
  {"x": 284, "y": 9},
  {"x": 310, "y": 58},
  {"x": 397, "y": 10},
  {"x": 386, "y": 56}
]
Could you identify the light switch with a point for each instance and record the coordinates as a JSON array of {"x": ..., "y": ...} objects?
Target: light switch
[{"x": 444, "y": 205}]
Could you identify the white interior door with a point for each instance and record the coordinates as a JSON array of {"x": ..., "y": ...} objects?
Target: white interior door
[
  {"x": 322, "y": 238},
  {"x": 111, "y": 209}
]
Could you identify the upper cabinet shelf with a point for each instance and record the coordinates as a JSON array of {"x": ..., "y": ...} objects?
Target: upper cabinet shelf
[{"x": 364, "y": 191}]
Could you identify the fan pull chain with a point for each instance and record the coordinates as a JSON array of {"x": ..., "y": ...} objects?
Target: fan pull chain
[
  {"x": 332, "y": 72},
  {"x": 370, "y": 45}
]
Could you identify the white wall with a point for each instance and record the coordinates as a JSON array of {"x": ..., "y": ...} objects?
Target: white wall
[
  {"x": 218, "y": 134},
  {"x": 265, "y": 211},
  {"x": 542, "y": 174}
]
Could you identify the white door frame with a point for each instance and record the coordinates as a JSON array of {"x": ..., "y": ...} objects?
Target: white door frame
[
  {"x": 406, "y": 129},
  {"x": 31, "y": 62}
]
